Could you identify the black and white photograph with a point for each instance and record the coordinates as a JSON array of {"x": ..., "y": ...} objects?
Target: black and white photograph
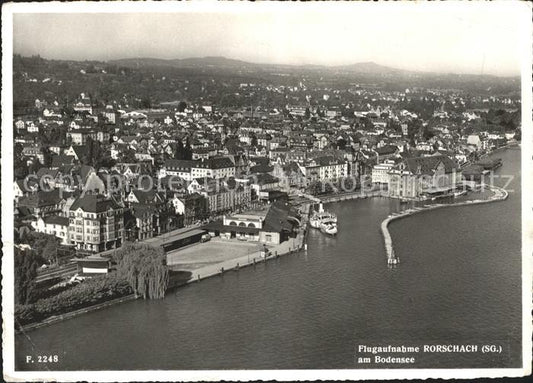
[{"x": 263, "y": 190}]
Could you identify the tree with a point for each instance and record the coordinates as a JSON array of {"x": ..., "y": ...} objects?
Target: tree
[
  {"x": 26, "y": 264},
  {"x": 518, "y": 135},
  {"x": 144, "y": 267},
  {"x": 253, "y": 141},
  {"x": 146, "y": 103},
  {"x": 19, "y": 163},
  {"x": 47, "y": 157},
  {"x": 182, "y": 105},
  {"x": 348, "y": 184},
  {"x": 128, "y": 156},
  {"x": 179, "y": 154},
  {"x": 105, "y": 162},
  {"x": 319, "y": 187},
  {"x": 34, "y": 166},
  {"x": 341, "y": 144},
  {"x": 44, "y": 245},
  {"x": 93, "y": 154},
  {"x": 427, "y": 133},
  {"x": 187, "y": 150}
]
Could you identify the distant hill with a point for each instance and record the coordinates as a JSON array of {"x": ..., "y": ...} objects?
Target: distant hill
[
  {"x": 223, "y": 62},
  {"x": 193, "y": 62},
  {"x": 369, "y": 67}
]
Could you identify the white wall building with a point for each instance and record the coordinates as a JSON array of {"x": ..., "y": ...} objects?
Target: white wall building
[{"x": 380, "y": 172}]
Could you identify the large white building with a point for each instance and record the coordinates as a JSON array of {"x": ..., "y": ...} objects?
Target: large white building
[
  {"x": 474, "y": 141},
  {"x": 380, "y": 172},
  {"x": 96, "y": 223},
  {"x": 415, "y": 177},
  {"x": 188, "y": 170},
  {"x": 324, "y": 168},
  {"x": 227, "y": 199}
]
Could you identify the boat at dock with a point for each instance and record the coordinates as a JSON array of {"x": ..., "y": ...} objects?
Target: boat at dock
[
  {"x": 328, "y": 226},
  {"x": 321, "y": 215},
  {"x": 323, "y": 220}
]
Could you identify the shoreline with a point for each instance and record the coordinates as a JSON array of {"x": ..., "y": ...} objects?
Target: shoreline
[
  {"x": 75, "y": 313},
  {"x": 500, "y": 194},
  {"x": 290, "y": 246}
]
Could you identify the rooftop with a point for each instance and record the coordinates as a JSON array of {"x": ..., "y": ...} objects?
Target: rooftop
[{"x": 249, "y": 217}]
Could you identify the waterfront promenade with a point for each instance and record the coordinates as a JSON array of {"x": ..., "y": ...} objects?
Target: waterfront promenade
[
  {"x": 290, "y": 246},
  {"x": 354, "y": 195},
  {"x": 499, "y": 194}
]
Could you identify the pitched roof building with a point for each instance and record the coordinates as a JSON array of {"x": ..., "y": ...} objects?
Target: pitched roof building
[{"x": 419, "y": 177}]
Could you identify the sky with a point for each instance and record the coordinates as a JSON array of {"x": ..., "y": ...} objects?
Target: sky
[{"x": 480, "y": 39}]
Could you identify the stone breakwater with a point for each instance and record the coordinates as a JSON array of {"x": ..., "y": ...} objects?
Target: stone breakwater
[{"x": 499, "y": 194}]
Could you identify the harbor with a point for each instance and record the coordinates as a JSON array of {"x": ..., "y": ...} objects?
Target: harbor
[
  {"x": 230, "y": 320},
  {"x": 252, "y": 258},
  {"x": 498, "y": 194}
]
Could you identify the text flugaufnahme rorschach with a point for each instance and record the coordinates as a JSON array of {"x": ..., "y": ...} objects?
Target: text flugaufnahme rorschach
[{"x": 365, "y": 354}]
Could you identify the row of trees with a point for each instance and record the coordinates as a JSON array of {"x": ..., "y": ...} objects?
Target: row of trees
[
  {"x": 93, "y": 291},
  {"x": 43, "y": 248},
  {"x": 345, "y": 184},
  {"x": 141, "y": 269},
  {"x": 26, "y": 264}
]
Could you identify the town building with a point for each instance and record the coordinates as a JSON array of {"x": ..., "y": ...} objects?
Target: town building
[
  {"x": 422, "y": 176},
  {"x": 54, "y": 225},
  {"x": 275, "y": 226},
  {"x": 324, "y": 168},
  {"x": 224, "y": 199},
  {"x": 217, "y": 167},
  {"x": 380, "y": 172},
  {"x": 96, "y": 223}
]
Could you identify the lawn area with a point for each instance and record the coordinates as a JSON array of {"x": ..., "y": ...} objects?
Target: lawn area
[{"x": 214, "y": 251}]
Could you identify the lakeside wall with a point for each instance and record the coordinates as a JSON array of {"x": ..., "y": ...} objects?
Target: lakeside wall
[
  {"x": 62, "y": 317},
  {"x": 500, "y": 194},
  {"x": 354, "y": 195}
]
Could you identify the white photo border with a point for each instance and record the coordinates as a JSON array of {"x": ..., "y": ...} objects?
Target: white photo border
[{"x": 520, "y": 11}]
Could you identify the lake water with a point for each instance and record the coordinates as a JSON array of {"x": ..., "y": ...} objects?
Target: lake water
[{"x": 459, "y": 283}]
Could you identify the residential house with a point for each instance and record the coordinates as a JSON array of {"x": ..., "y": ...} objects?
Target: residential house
[
  {"x": 386, "y": 152},
  {"x": 44, "y": 203},
  {"x": 25, "y": 187},
  {"x": 138, "y": 223},
  {"x": 474, "y": 141},
  {"x": 192, "y": 207},
  {"x": 324, "y": 167},
  {"x": 54, "y": 225},
  {"x": 96, "y": 223}
]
